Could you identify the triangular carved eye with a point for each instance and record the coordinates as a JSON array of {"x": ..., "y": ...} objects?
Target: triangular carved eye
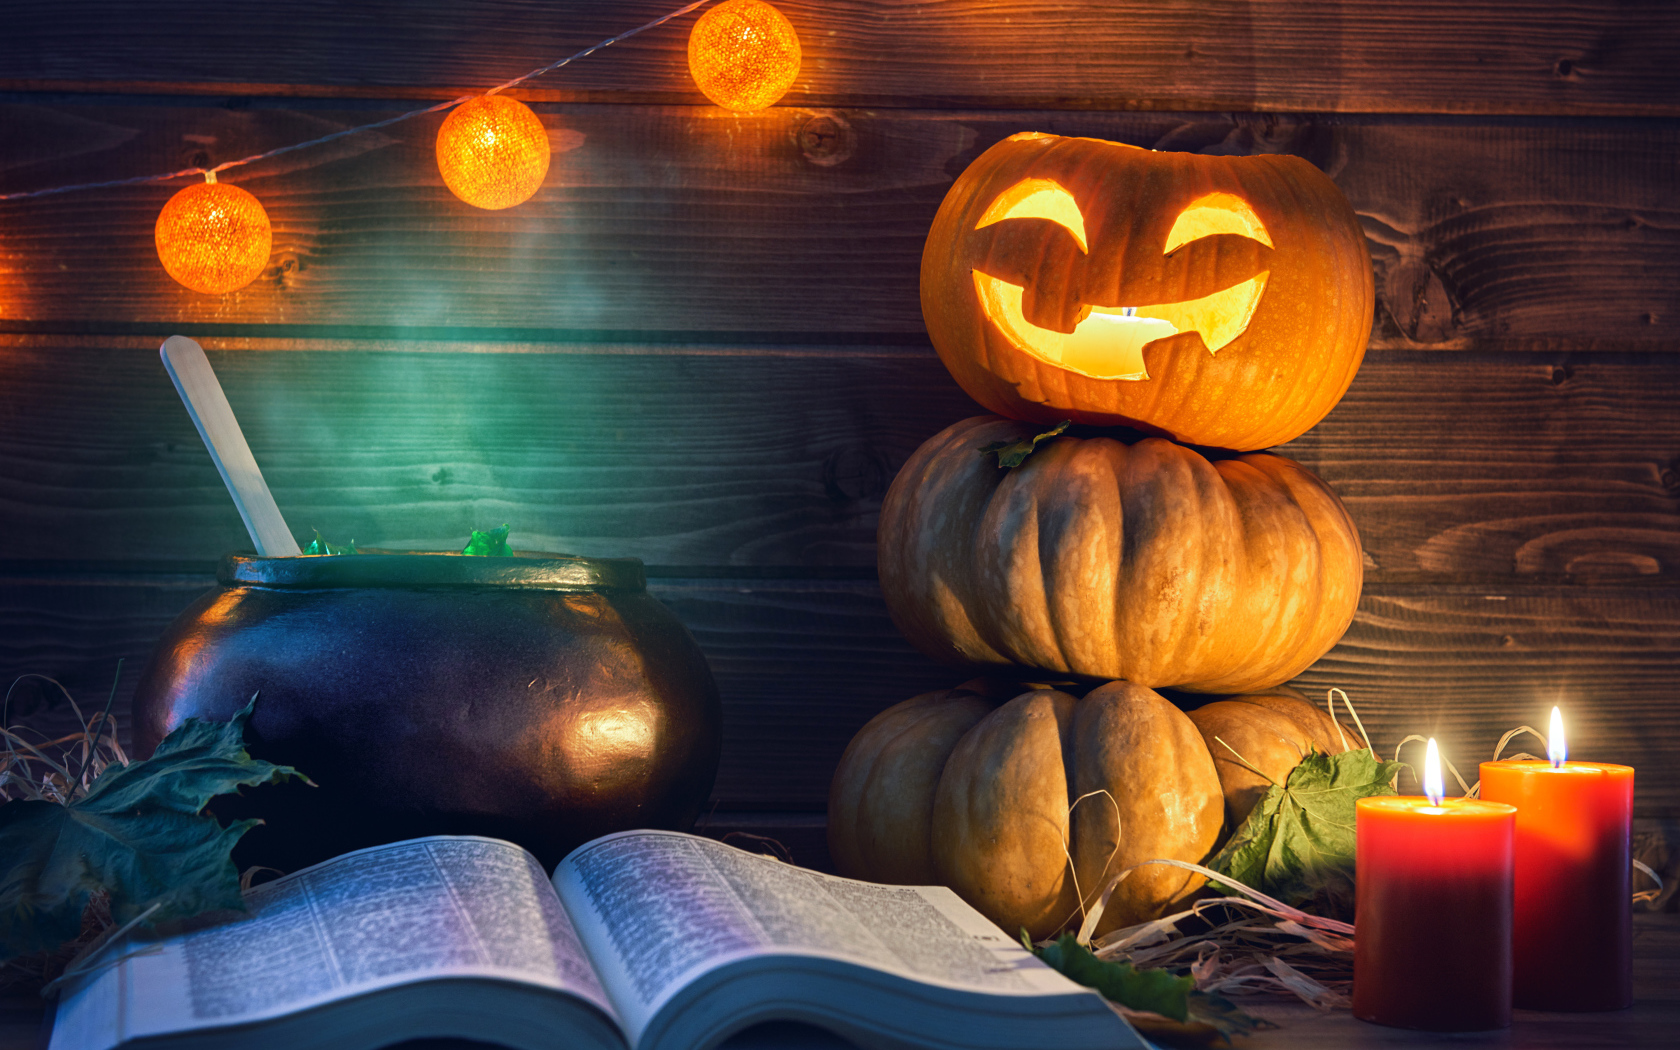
[
  {"x": 1213, "y": 214},
  {"x": 1043, "y": 199}
]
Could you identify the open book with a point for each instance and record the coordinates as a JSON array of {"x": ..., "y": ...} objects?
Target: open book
[{"x": 644, "y": 939}]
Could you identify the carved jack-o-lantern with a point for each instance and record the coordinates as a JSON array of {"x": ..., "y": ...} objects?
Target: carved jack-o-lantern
[{"x": 1222, "y": 301}]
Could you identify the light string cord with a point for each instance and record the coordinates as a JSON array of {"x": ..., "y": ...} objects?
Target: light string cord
[{"x": 399, "y": 118}]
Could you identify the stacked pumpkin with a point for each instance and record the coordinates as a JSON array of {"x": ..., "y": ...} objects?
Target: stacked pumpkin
[{"x": 1218, "y": 302}]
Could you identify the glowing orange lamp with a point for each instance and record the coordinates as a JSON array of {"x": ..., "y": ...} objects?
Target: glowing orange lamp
[
  {"x": 743, "y": 55},
  {"x": 213, "y": 237},
  {"x": 493, "y": 152}
]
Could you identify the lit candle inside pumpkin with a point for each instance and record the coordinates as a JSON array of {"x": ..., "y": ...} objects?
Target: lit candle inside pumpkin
[
  {"x": 1432, "y": 947},
  {"x": 1573, "y": 860}
]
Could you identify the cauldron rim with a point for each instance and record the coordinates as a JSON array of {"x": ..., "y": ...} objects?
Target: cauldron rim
[{"x": 393, "y": 568}]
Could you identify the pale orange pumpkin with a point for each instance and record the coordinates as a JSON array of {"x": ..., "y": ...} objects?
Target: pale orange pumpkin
[
  {"x": 1219, "y": 301},
  {"x": 1146, "y": 562},
  {"x": 966, "y": 788},
  {"x": 959, "y": 789}
]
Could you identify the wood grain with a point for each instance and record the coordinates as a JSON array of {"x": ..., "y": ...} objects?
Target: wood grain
[
  {"x": 803, "y": 664},
  {"x": 744, "y": 459},
  {"x": 1457, "y": 469},
  {"x": 1493, "y": 56},
  {"x": 688, "y": 223}
]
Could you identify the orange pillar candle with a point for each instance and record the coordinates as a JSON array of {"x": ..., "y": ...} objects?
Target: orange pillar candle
[
  {"x": 1573, "y": 932},
  {"x": 1432, "y": 920}
]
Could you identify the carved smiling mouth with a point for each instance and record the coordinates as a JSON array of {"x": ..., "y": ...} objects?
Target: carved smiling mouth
[{"x": 1108, "y": 343}]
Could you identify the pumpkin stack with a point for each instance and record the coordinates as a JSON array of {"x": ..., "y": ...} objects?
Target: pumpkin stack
[{"x": 1208, "y": 301}]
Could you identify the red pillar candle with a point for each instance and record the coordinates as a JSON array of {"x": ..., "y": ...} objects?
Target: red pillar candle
[
  {"x": 1432, "y": 941},
  {"x": 1573, "y": 924}
]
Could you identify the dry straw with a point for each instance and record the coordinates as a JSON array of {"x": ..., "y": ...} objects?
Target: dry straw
[{"x": 58, "y": 770}]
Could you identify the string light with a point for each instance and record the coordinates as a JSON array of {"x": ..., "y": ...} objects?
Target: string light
[
  {"x": 743, "y": 55},
  {"x": 213, "y": 237},
  {"x": 493, "y": 152}
]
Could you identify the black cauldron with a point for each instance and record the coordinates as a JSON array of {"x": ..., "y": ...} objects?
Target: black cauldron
[{"x": 539, "y": 698}]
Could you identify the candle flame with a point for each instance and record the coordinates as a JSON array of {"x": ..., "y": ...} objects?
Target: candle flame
[
  {"x": 1433, "y": 786},
  {"x": 1556, "y": 749}
]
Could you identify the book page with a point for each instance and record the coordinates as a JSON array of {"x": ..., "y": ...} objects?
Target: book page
[
  {"x": 655, "y": 909},
  {"x": 417, "y": 910}
]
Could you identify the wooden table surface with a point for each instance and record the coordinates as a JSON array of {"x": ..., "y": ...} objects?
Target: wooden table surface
[{"x": 1653, "y": 1021}]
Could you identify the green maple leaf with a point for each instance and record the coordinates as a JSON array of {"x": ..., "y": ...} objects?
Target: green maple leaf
[
  {"x": 492, "y": 544},
  {"x": 1298, "y": 842},
  {"x": 1015, "y": 453},
  {"x": 139, "y": 833}
]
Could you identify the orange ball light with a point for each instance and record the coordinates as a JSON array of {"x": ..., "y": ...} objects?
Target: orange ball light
[
  {"x": 743, "y": 55},
  {"x": 213, "y": 237},
  {"x": 493, "y": 152}
]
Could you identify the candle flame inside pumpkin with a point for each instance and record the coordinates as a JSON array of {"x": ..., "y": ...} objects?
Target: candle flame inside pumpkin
[
  {"x": 1556, "y": 749},
  {"x": 1108, "y": 341},
  {"x": 1433, "y": 786}
]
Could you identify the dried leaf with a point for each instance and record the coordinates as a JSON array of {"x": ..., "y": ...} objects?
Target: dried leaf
[
  {"x": 1014, "y": 453},
  {"x": 139, "y": 832}
]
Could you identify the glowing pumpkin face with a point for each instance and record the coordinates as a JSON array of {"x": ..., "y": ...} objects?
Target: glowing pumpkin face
[{"x": 1221, "y": 301}]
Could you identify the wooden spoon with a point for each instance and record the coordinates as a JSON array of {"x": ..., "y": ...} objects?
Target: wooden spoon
[{"x": 213, "y": 416}]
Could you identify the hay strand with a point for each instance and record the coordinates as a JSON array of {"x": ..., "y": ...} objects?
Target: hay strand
[
  {"x": 1330, "y": 702},
  {"x": 1085, "y": 916},
  {"x": 1646, "y": 896},
  {"x": 1252, "y": 768},
  {"x": 1469, "y": 792}
]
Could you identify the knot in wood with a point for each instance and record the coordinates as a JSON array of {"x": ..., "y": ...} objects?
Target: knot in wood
[
  {"x": 1669, "y": 477},
  {"x": 827, "y": 139},
  {"x": 855, "y": 472}
]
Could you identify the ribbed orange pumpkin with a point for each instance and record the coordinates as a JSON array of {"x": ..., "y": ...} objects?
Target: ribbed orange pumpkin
[
  {"x": 1146, "y": 562},
  {"x": 1218, "y": 301},
  {"x": 958, "y": 789},
  {"x": 968, "y": 788}
]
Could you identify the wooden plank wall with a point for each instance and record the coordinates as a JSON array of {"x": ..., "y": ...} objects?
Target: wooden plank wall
[{"x": 700, "y": 344}]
